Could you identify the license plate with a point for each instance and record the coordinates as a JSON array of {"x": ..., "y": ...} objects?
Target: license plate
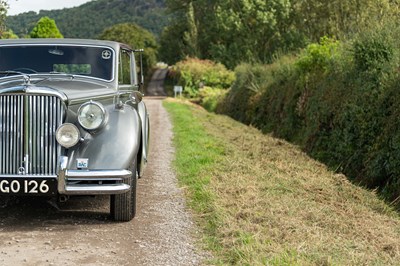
[{"x": 31, "y": 186}]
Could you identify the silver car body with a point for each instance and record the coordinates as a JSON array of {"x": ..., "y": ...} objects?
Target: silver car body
[{"x": 35, "y": 102}]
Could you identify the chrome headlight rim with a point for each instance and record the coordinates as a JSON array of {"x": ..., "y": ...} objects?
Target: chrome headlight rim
[
  {"x": 104, "y": 116},
  {"x": 64, "y": 127}
]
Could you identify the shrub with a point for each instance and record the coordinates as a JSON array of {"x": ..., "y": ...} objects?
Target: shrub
[
  {"x": 193, "y": 74},
  {"x": 372, "y": 50},
  {"x": 210, "y": 97},
  {"x": 318, "y": 55},
  {"x": 338, "y": 101}
]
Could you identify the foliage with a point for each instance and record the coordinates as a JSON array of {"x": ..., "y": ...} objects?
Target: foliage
[
  {"x": 193, "y": 74},
  {"x": 3, "y": 11},
  {"x": 372, "y": 50},
  {"x": 4, "y": 32},
  {"x": 172, "y": 48},
  {"x": 255, "y": 31},
  {"x": 210, "y": 97},
  {"x": 239, "y": 183},
  {"x": 9, "y": 34},
  {"x": 250, "y": 31},
  {"x": 180, "y": 39},
  {"x": 317, "y": 18},
  {"x": 46, "y": 28},
  {"x": 318, "y": 55},
  {"x": 91, "y": 18},
  {"x": 338, "y": 101},
  {"x": 137, "y": 38}
]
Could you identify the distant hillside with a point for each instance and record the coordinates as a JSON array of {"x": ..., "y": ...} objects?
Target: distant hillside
[{"x": 90, "y": 19}]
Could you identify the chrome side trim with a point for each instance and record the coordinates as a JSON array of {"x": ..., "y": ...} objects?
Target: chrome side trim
[
  {"x": 97, "y": 189},
  {"x": 94, "y": 98},
  {"x": 98, "y": 174}
]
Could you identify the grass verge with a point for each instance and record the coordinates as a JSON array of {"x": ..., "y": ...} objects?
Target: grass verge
[{"x": 261, "y": 201}]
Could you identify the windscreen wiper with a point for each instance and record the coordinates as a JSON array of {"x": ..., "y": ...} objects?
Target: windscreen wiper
[{"x": 6, "y": 73}]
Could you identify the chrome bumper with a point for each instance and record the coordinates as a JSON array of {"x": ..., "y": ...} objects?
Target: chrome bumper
[{"x": 89, "y": 182}]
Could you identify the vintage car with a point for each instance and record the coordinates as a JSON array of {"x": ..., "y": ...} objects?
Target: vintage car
[{"x": 72, "y": 120}]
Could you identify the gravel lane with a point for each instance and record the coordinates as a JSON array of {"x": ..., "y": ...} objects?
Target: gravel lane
[
  {"x": 35, "y": 232},
  {"x": 169, "y": 227},
  {"x": 156, "y": 85}
]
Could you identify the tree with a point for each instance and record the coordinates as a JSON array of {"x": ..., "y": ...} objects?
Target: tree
[
  {"x": 172, "y": 46},
  {"x": 180, "y": 39},
  {"x": 235, "y": 31},
  {"x": 8, "y": 34},
  {"x": 136, "y": 37},
  {"x": 91, "y": 18},
  {"x": 3, "y": 14},
  {"x": 46, "y": 28},
  {"x": 251, "y": 30},
  {"x": 229, "y": 31},
  {"x": 317, "y": 18}
]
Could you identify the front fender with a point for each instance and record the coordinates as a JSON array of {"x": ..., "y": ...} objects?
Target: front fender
[
  {"x": 145, "y": 131},
  {"x": 113, "y": 147}
]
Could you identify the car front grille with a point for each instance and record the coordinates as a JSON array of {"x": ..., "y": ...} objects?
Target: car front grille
[{"x": 28, "y": 125}]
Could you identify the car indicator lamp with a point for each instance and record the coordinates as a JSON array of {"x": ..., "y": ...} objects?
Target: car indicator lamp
[
  {"x": 92, "y": 115},
  {"x": 67, "y": 135}
]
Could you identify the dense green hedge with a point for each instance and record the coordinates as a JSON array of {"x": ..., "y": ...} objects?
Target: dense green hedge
[{"x": 339, "y": 101}]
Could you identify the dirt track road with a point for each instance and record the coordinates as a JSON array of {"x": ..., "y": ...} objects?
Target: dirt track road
[
  {"x": 156, "y": 85},
  {"x": 33, "y": 232}
]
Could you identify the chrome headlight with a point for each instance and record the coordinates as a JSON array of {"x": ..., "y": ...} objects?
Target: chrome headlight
[
  {"x": 91, "y": 115},
  {"x": 67, "y": 135}
]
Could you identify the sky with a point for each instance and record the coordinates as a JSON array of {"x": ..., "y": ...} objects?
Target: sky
[{"x": 20, "y": 6}]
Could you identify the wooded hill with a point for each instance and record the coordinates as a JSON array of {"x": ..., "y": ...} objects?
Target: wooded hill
[{"x": 90, "y": 19}]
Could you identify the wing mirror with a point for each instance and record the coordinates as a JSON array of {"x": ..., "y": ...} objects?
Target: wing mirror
[{"x": 136, "y": 97}]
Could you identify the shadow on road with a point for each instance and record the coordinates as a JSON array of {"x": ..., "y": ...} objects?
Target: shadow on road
[{"x": 27, "y": 213}]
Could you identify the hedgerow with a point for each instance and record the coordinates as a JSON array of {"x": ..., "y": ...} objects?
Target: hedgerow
[{"x": 339, "y": 101}]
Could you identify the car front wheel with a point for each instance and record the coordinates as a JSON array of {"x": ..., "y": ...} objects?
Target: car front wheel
[{"x": 123, "y": 206}]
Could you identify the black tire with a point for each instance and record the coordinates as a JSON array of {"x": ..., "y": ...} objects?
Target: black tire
[{"x": 123, "y": 206}]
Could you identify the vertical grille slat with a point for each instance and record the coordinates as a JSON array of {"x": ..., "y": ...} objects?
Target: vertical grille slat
[
  {"x": 28, "y": 126},
  {"x": 31, "y": 133}
]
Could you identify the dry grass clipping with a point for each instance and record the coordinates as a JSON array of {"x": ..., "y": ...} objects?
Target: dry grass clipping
[{"x": 281, "y": 207}]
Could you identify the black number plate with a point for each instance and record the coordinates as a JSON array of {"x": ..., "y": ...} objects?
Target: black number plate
[{"x": 31, "y": 186}]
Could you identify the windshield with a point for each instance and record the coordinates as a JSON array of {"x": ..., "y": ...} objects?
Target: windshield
[{"x": 96, "y": 62}]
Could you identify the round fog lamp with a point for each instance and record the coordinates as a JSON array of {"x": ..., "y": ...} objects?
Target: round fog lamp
[
  {"x": 67, "y": 135},
  {"x": 91, "y": 115}
]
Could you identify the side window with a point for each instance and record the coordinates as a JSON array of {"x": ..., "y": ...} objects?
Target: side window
[{"x": 124, "y": 68}]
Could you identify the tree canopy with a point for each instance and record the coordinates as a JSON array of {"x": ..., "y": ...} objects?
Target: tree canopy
[
  {"x": 3, "y": 14},
  {"x": 90, "y": 19},
  {"x": 46, "y": 28},
  {"x": 233, "y": 31},
  {"x": 137, "y": 38}
]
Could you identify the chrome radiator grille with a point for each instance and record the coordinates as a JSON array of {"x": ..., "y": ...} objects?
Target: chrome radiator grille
[{"x": 28, "y": 125}]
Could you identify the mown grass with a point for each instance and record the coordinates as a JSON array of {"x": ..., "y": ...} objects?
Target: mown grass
[{"x": 261, "y": 201}]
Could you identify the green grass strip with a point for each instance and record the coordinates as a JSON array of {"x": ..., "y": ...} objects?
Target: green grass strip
[
  {"x": 262, "y": 201},
  {"x": 197, "y": 153}
]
